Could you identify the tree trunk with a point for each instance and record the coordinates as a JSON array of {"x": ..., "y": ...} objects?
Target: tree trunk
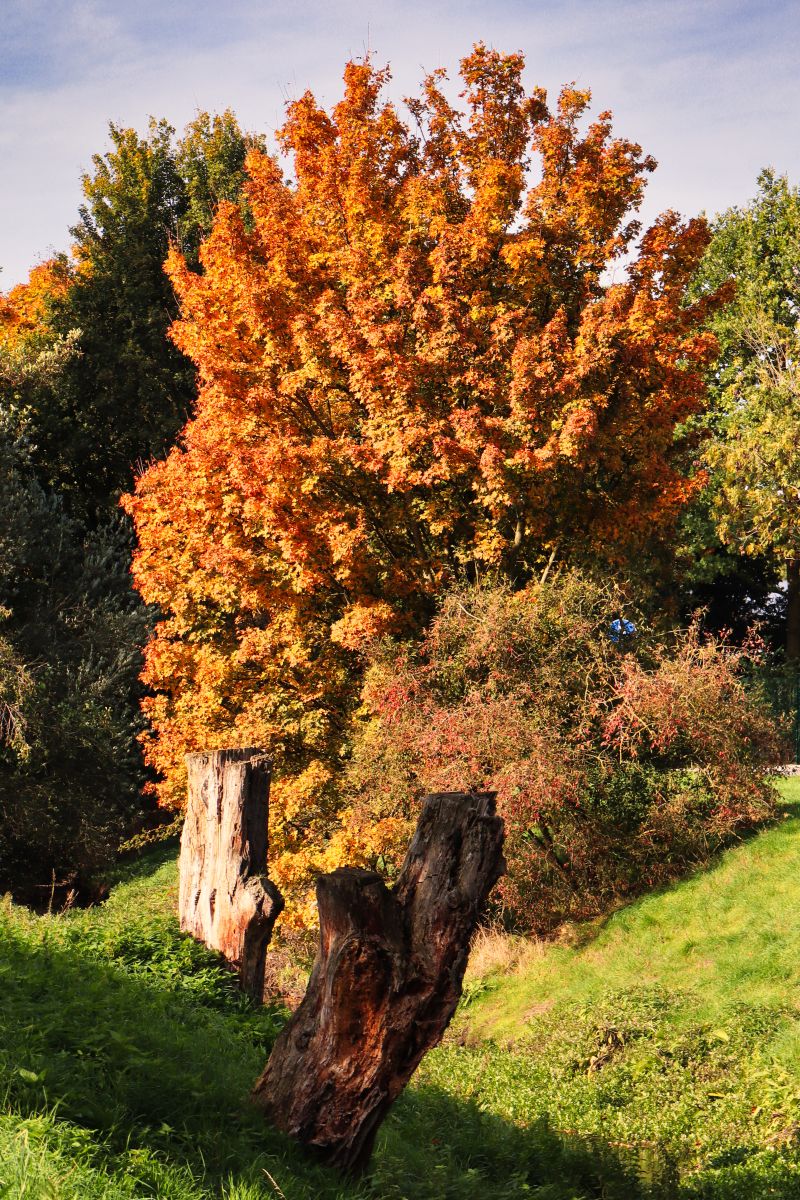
[
  {"x": 225, "y": 897},
  {"x": 793, "y": 611},
  {"x": 385, "y": 983}
]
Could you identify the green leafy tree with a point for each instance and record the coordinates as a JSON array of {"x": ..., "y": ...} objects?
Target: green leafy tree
[
  {"x": 753, "y": 452},
  {"x": 89, "y": 385},
  {"x": 123, "y": 399},
  {"x": 210, "y": 161}
]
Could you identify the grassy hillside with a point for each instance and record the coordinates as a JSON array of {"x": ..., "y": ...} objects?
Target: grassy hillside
[
  {"x": 656, "y": 1056},
  {"x": 671, "y": 1030},
  {"x": 729, "y": 934}
]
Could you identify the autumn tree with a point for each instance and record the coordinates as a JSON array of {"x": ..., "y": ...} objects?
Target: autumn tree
[
  {"x": 753, "y": 451},
  {"x": 413, "y": 370}
]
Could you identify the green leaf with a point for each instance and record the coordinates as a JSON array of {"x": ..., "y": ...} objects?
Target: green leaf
[{"x": 29, "y": 1076}]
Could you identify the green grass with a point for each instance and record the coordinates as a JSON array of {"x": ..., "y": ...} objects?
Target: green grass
[
  {"x": 671, "y": 1030},
  {"x": 127, "y": 1057},
  {"x": 728, "y": 935},
  {"x": 656, "y": 1057}
]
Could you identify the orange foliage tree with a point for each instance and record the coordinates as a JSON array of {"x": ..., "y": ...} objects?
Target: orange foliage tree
[
  {"x": 25, "y": 309},
  {"x": 413, "y": 369}
]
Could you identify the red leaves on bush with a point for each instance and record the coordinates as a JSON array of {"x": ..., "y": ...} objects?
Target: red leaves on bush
[{"x": 616, "y": 767}]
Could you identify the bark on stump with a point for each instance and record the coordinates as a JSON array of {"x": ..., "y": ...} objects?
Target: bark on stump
[
  {"x": 385, "y": 983},
  {"x": 225, "y": 898}
]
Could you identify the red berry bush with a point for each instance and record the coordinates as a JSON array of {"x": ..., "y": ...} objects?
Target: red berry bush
[{"x": 622, "y": 756}]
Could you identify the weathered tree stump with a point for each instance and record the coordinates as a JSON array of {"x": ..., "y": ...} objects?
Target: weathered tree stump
[
  {"x": 225, "y": 898},
  {"x": 385, "y": 983}
]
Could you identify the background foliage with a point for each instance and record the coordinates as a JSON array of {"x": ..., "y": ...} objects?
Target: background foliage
[
  {"x": 89, "y": 385},
  {"x": 743, "y": 529},
  {"x": 71, "y": 633}
]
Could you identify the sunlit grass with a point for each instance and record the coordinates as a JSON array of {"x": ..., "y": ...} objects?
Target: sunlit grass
[
  {"x": 655, "y": 1057},
  {"x": 729, "y": 934}
]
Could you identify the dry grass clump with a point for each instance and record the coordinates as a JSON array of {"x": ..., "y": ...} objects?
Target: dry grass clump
[
  {"x": 494, "y": 951},
  {"x": 286, "y": 970}
]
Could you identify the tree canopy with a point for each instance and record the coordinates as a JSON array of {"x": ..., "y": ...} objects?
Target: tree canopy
[
  {"x": 413, "y": 369},
  {"x": 754, "y": 449},
  {"x": 123, "y": 397}
]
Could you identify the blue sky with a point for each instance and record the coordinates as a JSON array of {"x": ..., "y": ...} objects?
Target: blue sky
[{"x": 710, "y": 87}]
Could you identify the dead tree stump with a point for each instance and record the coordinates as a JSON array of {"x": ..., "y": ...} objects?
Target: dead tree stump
[
  {"x": 385, "y": 983},
  {"x": 225, "y": 898}
]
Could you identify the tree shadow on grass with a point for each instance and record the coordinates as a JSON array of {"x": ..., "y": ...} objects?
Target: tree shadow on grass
[
  {"x": 452, "y": 1149},
  {"x": 150, "y": 1071},
  {"x": 434, "y": 1136},
  {"x": 142, "y": 1066}
]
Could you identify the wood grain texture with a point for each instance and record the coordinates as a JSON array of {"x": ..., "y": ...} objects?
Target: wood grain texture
[
  {"x": 225, "y": 897},
  {"x": 385, "y": 983}
]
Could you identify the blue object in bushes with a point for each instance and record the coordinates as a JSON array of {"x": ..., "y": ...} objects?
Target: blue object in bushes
[{"x": 621, "y": 628}]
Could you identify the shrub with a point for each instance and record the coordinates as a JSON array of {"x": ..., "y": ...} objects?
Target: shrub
[
  {"x": 620, "y": 759},
  {"x": 71, "y": 629}
]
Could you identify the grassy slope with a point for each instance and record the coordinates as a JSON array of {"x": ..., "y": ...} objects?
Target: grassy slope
[
  {"x": 672, "y": 1030},
  {"x": 730, "y": 933},
  {"x": 661, "y": 1058},
  {"x": 127, "y": 1056}
]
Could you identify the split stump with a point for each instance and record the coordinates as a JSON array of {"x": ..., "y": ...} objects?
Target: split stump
[{"x": 385, "y": 983}]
